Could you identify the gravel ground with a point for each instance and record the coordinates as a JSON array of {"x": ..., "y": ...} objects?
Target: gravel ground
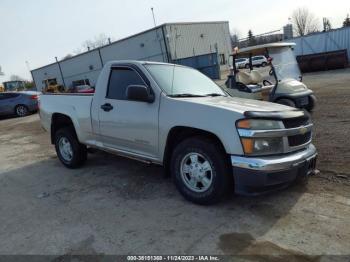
[{"x": 118, "y": 206}]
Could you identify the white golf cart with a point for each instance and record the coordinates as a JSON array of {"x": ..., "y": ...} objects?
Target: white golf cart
[{"x": 279, "y": 81}]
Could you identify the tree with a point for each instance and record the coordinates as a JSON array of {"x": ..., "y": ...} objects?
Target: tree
[
  {"x": 326, "y": 24},
  {"x": 67, "y": 56},
  {"x": 16, "y": 78},
  {"x": 235, "y": 36},
  {"x": 251, "y": 38},
  {"x": 304, "y": 22},
  {"x": 98, "y": 41},
  {"x": 346, "y": 21}
]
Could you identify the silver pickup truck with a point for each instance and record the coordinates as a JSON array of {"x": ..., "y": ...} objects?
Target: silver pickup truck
[{"x": 176, "y": 117}]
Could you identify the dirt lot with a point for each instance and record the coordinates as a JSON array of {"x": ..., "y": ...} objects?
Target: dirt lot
[{"x": 118, "y": 206}]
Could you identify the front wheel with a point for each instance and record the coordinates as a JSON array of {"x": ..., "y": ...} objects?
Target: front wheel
[
  {"x": 21, "y": 110},
  {"x": 200, "y": 170},
  {"x": 71, "y": 153}
]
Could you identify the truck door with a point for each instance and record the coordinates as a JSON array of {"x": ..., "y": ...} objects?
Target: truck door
[{"x": 129, "y": 126}]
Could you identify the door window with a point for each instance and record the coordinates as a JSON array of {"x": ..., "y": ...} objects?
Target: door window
[
  {"x": 119, "y": 80},
  {"x": 7, "y": 96}
]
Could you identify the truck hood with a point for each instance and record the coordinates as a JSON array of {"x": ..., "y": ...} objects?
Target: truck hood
[{"x": 239, "y": 105}]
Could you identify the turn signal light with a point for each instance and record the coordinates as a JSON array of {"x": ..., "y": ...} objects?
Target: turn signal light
[{"x": 248, "y": 145}]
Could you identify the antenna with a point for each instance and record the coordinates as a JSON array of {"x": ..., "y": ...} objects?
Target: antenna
[{"x": 154, "y": 19}]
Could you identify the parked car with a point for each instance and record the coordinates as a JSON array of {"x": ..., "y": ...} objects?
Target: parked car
[
  {"x": 85, "y": 89},
  {"x": 18, "y": 103},
  {"x": 242, "y": 63},
  {"x": 177, "y": 117},
  {"x": 259, "y": 61}
]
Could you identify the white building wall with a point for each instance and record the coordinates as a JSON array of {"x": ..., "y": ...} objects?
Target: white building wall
[
  {"x": 148, "y": 46},
  {"x": 193, "y": 39},
  {"x": 41, "y": 74}
]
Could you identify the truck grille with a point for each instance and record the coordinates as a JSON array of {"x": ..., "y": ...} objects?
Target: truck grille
[
  {"x": 298, "y": 140},
  {"x": 296, "y": 122}
]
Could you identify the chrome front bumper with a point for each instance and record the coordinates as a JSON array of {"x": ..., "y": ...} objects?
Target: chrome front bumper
[
  {"x": 275, "y": 163},
  {"x": 257, "y": 175}
]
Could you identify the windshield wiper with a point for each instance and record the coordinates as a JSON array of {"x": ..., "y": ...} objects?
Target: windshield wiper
[
  {"x": 214, "y": 94},
  {"x": 186, "y": 95}
]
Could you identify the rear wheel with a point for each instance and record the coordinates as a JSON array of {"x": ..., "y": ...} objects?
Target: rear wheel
[
  {"x": 71, "y": 153},
  {"x": 264, "y": 64},
  {"x": 247, "y": 66},
  {"x": 200, "y": 170},
  {"x": 21, "y": 110},
  {"x": 286, "y": 102}
]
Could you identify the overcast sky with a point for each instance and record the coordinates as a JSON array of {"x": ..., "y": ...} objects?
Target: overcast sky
[{"x": 38, "y": 30}]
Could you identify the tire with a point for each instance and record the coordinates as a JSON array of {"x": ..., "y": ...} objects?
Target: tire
[
  {"x": 286, "y": 102},
  {"x": 21, "y": 110},
  {"x": 71, "y": 153},
  {"x": 213, "y": 169},
  {"x": 247, "y": 66},
  {"x": 264, "y": 64}
]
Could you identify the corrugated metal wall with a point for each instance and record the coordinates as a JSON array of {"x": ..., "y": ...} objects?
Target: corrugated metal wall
[
  {"x": 148, "y": 45},
  {"x": 334, "y": 40},
  {"x": 50, "y": 71},
  {"x": 193, "y": 39}
]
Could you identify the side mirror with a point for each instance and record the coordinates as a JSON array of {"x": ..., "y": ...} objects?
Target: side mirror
[{"x": 139, "y": 93}]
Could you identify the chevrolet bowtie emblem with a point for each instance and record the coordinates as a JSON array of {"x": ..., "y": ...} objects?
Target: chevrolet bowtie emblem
[{"x": 303, "y": 130}]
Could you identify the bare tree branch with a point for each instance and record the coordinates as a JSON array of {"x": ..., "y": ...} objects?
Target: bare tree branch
[
  {"x": 98, "y": 41},
  {"x": 304, "y": 22}
]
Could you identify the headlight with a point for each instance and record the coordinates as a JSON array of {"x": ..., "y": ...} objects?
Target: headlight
[
  {"x": 259, "y": 124},
  {"x": 260, "y": 145}
]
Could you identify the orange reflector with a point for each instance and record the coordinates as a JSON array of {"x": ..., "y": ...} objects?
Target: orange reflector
[
  {"x": 244, "y": 124},
  {"x": 248, "y": 145}
]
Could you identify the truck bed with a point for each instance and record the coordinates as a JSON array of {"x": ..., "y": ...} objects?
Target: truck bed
[{"x": 75, "y": 105}]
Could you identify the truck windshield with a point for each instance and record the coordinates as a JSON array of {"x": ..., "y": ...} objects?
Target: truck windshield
[
  {"x": 183, "y": 81},
  {"x": 285, "y": 64}
]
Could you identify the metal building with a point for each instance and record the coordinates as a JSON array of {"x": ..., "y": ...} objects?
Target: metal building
[
  {"x": 333, "y": 40},
  {"x": 202, "y": 45}
]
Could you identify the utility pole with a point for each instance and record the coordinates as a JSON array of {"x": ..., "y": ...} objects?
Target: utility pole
[
  {"x": 59, "y": 66},
  {"x": 154, "y": 19}
]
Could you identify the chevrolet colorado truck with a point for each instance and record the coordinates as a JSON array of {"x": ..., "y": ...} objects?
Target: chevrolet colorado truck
[{"x": 175, "y": 116}]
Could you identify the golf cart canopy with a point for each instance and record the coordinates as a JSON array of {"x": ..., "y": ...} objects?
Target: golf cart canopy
[{"x": 260, "y": 49}]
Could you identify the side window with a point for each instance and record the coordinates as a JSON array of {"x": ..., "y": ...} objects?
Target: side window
[
  {"x": 13, "y": 95},
  {"x": 119, "y": 80},
  {"x": 7, "y": 96}
]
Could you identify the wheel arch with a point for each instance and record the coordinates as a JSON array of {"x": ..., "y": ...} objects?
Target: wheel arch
[
  {"x": 180, "y": 133},
  {"x": 59, "y": 120}
]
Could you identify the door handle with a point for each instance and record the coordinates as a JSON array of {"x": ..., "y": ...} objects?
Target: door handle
[{"x": 107, "y": 107}]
